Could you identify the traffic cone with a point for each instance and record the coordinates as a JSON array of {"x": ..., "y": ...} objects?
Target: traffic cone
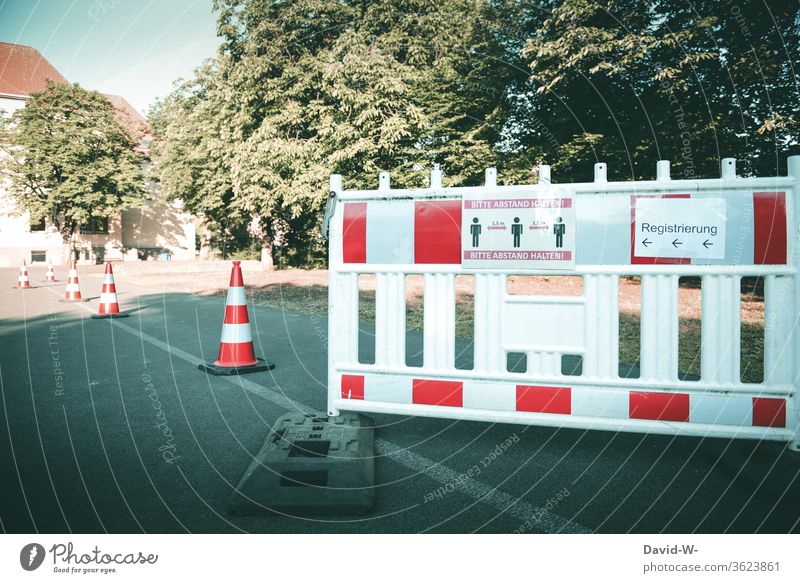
[
  {"x": 50, "y": 276},
  {"x": 73, "y": 293},
  {"x": 22, "y": 280},
  {"x": 236, "y": 355},
  {"x": 109, "y": 307}
]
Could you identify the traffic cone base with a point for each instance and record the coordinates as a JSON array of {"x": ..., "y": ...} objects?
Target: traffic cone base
[
  {"x": 236, "y": 354},
  {"x": 117, "y": 315},
  {"x": 218, "y": 370}
]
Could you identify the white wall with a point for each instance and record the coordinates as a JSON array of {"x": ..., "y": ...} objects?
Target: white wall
[
  {"x": 160, "y": 226},
  {"x": 11, "y": 104}
]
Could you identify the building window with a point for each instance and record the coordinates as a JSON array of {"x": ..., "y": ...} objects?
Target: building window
[
  {"x": 38, "y": 256},
  {"x": 40, "y": 226},
  {"x": 95, "y": 226}
]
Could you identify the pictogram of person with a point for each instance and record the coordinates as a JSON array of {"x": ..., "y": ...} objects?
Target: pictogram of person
[
  {"x": 559, "y": 228},
  {"x": 475, "y": 231},
  {"x": 516, "y": 231}
]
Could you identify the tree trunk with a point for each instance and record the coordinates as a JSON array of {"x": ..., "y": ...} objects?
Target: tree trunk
[
  {"x": 205, "y": 239},
  {"x": 267, "y": 261},
  {"x": 72, "y": 256}
]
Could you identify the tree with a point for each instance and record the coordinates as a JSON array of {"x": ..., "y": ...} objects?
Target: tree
[
  {"x": 68, "y": 158},
  {"x": 633, "y": 82},
  {"x": 305, "y": 89},
  {"x": 192, "y": 152},
  {"x": 300, "y": 90}
]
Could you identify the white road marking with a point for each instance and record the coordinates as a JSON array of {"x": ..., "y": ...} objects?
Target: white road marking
[{"x": 529, "y": 515}]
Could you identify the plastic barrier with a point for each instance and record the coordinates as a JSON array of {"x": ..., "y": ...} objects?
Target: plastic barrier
[{"x": 719, "y": 229}]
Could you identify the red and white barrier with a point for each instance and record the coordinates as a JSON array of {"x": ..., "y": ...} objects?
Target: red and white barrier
[
  {"x": 236, "y": 352},
  {"x": 719, "y": 230}
]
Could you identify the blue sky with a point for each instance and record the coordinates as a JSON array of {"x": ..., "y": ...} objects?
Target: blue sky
[{"x": 133, "y": 48}]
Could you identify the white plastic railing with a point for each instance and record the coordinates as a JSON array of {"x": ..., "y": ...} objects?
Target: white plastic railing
[{"x": 718, "y": 404}]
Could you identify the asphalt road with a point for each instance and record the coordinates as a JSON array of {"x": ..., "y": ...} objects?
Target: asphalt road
[{"x": 83, "y": 448}]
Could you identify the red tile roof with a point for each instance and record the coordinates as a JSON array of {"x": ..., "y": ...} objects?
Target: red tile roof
[
  {"x": 23, "y": 70},
  {"x": 129, "y": 116}
]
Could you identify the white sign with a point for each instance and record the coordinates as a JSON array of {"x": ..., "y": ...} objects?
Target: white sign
[
  {"x": 679, "y": 227},
  {"x": 523, "y": 231}
]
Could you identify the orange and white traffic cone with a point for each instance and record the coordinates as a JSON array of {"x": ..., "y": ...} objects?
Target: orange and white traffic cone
[
  {"x": 109, "y": 307},
  {"x": 236, "y": 354},
  {"x": 22, "y": 280},
  {"x": 50, "y": 276},
  {"x": 73, "y": 293}
]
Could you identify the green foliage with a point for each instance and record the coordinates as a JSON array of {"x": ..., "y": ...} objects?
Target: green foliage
[
  {"x": 690, "y": 82},
  {"x": 303, "y": 89},
  {"x": 68, "y": 158}
]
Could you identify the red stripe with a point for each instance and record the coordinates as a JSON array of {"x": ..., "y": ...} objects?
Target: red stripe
[
  {"x": 354, "y": 237},
  {"x": 437, "y": 232},
  {"x": 652, "y": 260},
  {"x": 769, "y": 218},
  {"x": 239, "y": 354},
  {"x": 236, "y": 275},
  {"x": 659, "y": 406},
  {"x": 236, "y": 315},
  {"x": 353, "y": 386},
  {"x": 769, "y": 412},
  {"x": 535, "y": 399},
  {"x": 109, "y": 288},
  {"x": 443, "y": 393},
  {"x": 109, "y": 308}
]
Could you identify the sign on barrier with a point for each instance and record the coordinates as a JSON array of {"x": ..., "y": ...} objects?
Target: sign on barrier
[
  {"x": 524, "y": 231},
  {"x": 720, "y": 230}
]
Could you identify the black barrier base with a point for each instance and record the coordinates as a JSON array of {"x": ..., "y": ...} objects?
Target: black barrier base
[
  {"x": 232, "y": 370},
  {"x": 102, "y": 316},
  {"x": 29, "y": 287},
  {"x": 311, "y": 466}
]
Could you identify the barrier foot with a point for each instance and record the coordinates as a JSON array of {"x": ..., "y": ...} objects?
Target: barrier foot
[
  {"x": 311, "y": 465},
  {"x": 102, "y": 316},
  {"x": 794, "y": 446},
  {"x": 232, "y": 370}
]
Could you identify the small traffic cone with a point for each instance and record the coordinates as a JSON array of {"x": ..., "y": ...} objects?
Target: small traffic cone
[
  {"x": 50, "y": 276},
  {"x": 109, "y": 307},
  {"x": 236, "y": 355},
  {"x": 73, "y": 293},
  {"x": 22, "y": 280}
]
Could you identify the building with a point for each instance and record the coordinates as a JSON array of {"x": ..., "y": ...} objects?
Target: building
[{"x": 158, "y": 228}]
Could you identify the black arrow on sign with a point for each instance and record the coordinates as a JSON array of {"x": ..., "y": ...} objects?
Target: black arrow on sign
[
  {"x": 647, "y": 242},
  {"x": 675, "y": 243},
  {"x": 706, "y": 244}
]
